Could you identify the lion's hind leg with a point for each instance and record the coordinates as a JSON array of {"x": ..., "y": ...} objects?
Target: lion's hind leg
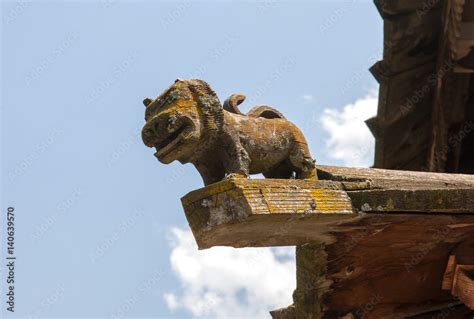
[
  {"x": 302, "y": 163},
  {"x": 282, "y": 170}
]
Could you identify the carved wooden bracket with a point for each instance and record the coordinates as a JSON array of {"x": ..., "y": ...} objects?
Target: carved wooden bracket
[
  {"x": 371, "y": 243},
  {"x": 459, "y": 279}
]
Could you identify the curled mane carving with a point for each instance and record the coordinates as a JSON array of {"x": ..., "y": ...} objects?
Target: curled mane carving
[{"x": 208, "y": 102}]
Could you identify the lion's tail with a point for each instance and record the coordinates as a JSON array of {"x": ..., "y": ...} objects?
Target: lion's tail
[{"x": 265, "y": 111}]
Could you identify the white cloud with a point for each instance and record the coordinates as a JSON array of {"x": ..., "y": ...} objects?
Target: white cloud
[
  {"x": 307, "y": 97},
  {"x": 224, "y": 282},
  {"x": 349, "y": 138},
  {"x": 171, "y": 301}
]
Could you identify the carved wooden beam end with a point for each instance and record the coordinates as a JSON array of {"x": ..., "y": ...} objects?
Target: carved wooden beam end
[{"x": 242, "y": 212}]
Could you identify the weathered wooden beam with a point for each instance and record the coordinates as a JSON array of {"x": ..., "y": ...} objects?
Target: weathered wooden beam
[
  {"x": 361, "y": 236},
  {"x": 395, "y": 179},
  {"x": 448, "y": 201},
  {"x": 270, "y": 212},
  {"x": 250, "y": 212}
]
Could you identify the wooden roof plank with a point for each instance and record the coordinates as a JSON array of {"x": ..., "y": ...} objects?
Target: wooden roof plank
[{"x": 269, "y": 212}]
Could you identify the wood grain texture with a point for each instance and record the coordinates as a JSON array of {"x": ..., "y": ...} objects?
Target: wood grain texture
[
  {"x": 459, "y": 278},
  {"x": 250, "y": 212},
  {"x": 423, "y": 100},
  {"x": 463, "y": 285},
  {"x": 392, "y": 266},
  {"x": 447, "y": 201},
  {"x": 371, "y": 243},
  {"x": 396, "y": 179}
]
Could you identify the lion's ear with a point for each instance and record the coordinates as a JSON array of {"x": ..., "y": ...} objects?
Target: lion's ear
[
  {"x": 177, "y": 80},
  {"x": 147, "y": 101}
]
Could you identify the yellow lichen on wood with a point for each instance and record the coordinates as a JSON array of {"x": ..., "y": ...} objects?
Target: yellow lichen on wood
[
  {"x": 280, "y": 196},
  {"x": 283, "y": 200}
]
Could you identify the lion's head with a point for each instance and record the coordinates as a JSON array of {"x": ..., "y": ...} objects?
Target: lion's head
[{"x": 180, "y": 118}]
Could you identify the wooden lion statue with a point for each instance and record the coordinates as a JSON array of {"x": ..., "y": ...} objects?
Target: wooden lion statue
[{"x": 188, "y": 123}]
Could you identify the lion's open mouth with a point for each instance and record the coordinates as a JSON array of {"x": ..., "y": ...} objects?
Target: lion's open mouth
[{"x": 171, "y": 142}]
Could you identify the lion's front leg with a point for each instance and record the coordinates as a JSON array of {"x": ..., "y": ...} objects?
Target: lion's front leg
[
  {"x": 236, "y": 160},
  {"x": 209, "y": 173}
]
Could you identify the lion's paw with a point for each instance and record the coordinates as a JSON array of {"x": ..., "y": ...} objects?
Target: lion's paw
[{"x": 236, "y": 175}]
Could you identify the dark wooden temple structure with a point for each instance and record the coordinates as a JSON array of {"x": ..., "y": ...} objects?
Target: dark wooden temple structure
[
  {"x": 383, "y": 242},
  {"x": 426, "y": 98}
]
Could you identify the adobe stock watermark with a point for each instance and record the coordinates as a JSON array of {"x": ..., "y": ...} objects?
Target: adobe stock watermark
[
  {"x": 48, "y": 302},
  {"x": 286, "y": 64},
  {"x": 10, "y": 259},
  {"x": 175, "y": 14},
  {"x": 111, "y": 240},
  {"x": 176, "y": 174},
  {"x": 205, "y": 309},
  {"x": 311, "y": 121},
  {"x": 264, "y": 6},
  {"x": 446, "y": 312},
  {"x": 427, "y": 6},
  {"x": 423, "y": 249},
  {"x": 123, "y": 148},
  {"x": 15, "y": 12},
  {"x": 336, "y": 16},
  {"x": 45, "y": 64},
  {"x": 369, "y": 306},
  {"x": 25, "y": 164},
  {"x": 358, "y": 75},
  {"x": 62, "y": 208},
  {"x": 142, "y": 290},
  {"x": 455, "y": 140},
  {"x": 215, "y": 54},
  {"x": 355, "y": 239},
  {"x": 419, "y": 94},
  {"x": 111, "y": 78},
  {"x": 106, "y": 4}
]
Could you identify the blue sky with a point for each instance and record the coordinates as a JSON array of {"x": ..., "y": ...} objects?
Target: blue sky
[{"x": 95, "y": 211}]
